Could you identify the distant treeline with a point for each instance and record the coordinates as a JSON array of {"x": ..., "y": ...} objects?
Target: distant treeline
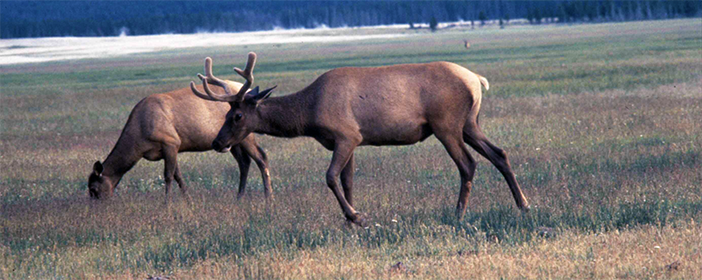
[{"x": 110, "y": 18}]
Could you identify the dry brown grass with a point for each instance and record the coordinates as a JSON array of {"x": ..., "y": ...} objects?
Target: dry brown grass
[{"x": 641, "y": 253}]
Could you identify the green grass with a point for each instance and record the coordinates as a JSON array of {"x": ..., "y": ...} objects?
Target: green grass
[{"x": 601, "y": 124}]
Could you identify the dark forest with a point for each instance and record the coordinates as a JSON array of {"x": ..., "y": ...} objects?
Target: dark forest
[{"x": 111, "y": 18}]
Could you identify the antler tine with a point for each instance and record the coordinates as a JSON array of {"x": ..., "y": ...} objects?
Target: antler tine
[
  {"x": 214, "y": 96},
  {"x": 210, "y": 75},
  {"x": 247, "y": 73},
  {"x": 228, "y": 97},
  {"x": 199, "y": 93}
]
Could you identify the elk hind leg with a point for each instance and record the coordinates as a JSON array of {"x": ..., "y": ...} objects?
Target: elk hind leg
[
  {"x": 478, "y": 141},
  {"x": 466, "y": 168},
  {"x": 342, "y": 154}
]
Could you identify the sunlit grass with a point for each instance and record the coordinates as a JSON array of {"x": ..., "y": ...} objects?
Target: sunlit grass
[{"x": 601, "y": 125}]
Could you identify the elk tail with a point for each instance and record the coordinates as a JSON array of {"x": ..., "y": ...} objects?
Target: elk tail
[{"x": 484, "y": 82}]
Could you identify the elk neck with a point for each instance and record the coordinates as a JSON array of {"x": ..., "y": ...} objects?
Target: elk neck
[
  {"x": 284, "y": 116},
  {"x": 121, "y": 159}
]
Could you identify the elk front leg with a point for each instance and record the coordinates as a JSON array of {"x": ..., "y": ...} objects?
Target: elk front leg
[
  {"x": 342, "y": 153},
  {"x": 244, "y": 163},
  {"x": 181, "y": 183},
  {"x": 347, "y": 180},
  {"x": 170, "y": 157},
  {"x": 259, "y": 156}
]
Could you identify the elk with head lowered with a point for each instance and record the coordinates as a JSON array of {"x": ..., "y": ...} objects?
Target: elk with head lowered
[
  {"x": 350, "y": 107},
  {"x": 162, "y": 125}
]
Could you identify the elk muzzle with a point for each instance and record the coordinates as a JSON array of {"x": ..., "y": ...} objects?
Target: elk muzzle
[
  {"x": 99, "y": 194},
  {"x": 100, "y": 188},
  {"x": 94, "y": 194},
  {"x": 219, "y": 147}
]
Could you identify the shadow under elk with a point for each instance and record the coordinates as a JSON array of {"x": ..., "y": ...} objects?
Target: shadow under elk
[
  {"x": 349, "y": 107},
  {"x": 162, "y": 125}
]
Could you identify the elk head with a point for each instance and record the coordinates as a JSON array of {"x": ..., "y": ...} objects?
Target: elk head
[
  {"x": 242, "y": 117},
  {"x": 99, "y": 186}
]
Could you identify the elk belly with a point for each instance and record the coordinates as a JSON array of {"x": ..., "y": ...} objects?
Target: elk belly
[{"x": 406, "y": 133}]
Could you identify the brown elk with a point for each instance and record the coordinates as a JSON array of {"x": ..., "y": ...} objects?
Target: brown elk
[
  {"x": 162, "y": 125},
  {"x": 349, "y": 107}
]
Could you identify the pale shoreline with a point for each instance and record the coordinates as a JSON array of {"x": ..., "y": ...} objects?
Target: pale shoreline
[{"x": 36, "y": 50}]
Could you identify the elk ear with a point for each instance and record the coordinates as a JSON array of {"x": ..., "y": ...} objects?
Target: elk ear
[
  {"x": 253, "y": 92},
  {"x": 97, "y": 168},
  {"x": 262, "y": 95}
]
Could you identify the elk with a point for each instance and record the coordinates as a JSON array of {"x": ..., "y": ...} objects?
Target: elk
[
  {"x": 162, "y": 125},
  {"x": 349, "y": 107}
]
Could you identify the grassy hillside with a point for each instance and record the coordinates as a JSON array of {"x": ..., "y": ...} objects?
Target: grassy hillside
[{"x": 601, "y": 123}]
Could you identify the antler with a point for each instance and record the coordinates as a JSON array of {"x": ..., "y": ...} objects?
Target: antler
[
  {"x": 247, "y": 73},
  {"x": 210, "y": 78},
  {"x": 228, "y": 97}
]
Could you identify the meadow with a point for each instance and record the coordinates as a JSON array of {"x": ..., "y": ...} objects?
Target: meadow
[{"x": 601, "y": 123}]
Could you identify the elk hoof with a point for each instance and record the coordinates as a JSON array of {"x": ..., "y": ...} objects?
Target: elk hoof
[
  {"x": 359, "y": 219},
  {"x": 525, "y": 209},
  {"x": 189, "y": 200},
  {"x": 269, "y": 196},
  {"x": 460, "y": 213}
]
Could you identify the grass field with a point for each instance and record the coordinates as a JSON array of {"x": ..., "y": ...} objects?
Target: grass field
[{"x": 601, "y": 122}]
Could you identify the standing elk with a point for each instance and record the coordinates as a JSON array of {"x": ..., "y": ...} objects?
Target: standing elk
[
  {"x": 349, "y": 107},
  {"x": 162, "y": 125}
]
